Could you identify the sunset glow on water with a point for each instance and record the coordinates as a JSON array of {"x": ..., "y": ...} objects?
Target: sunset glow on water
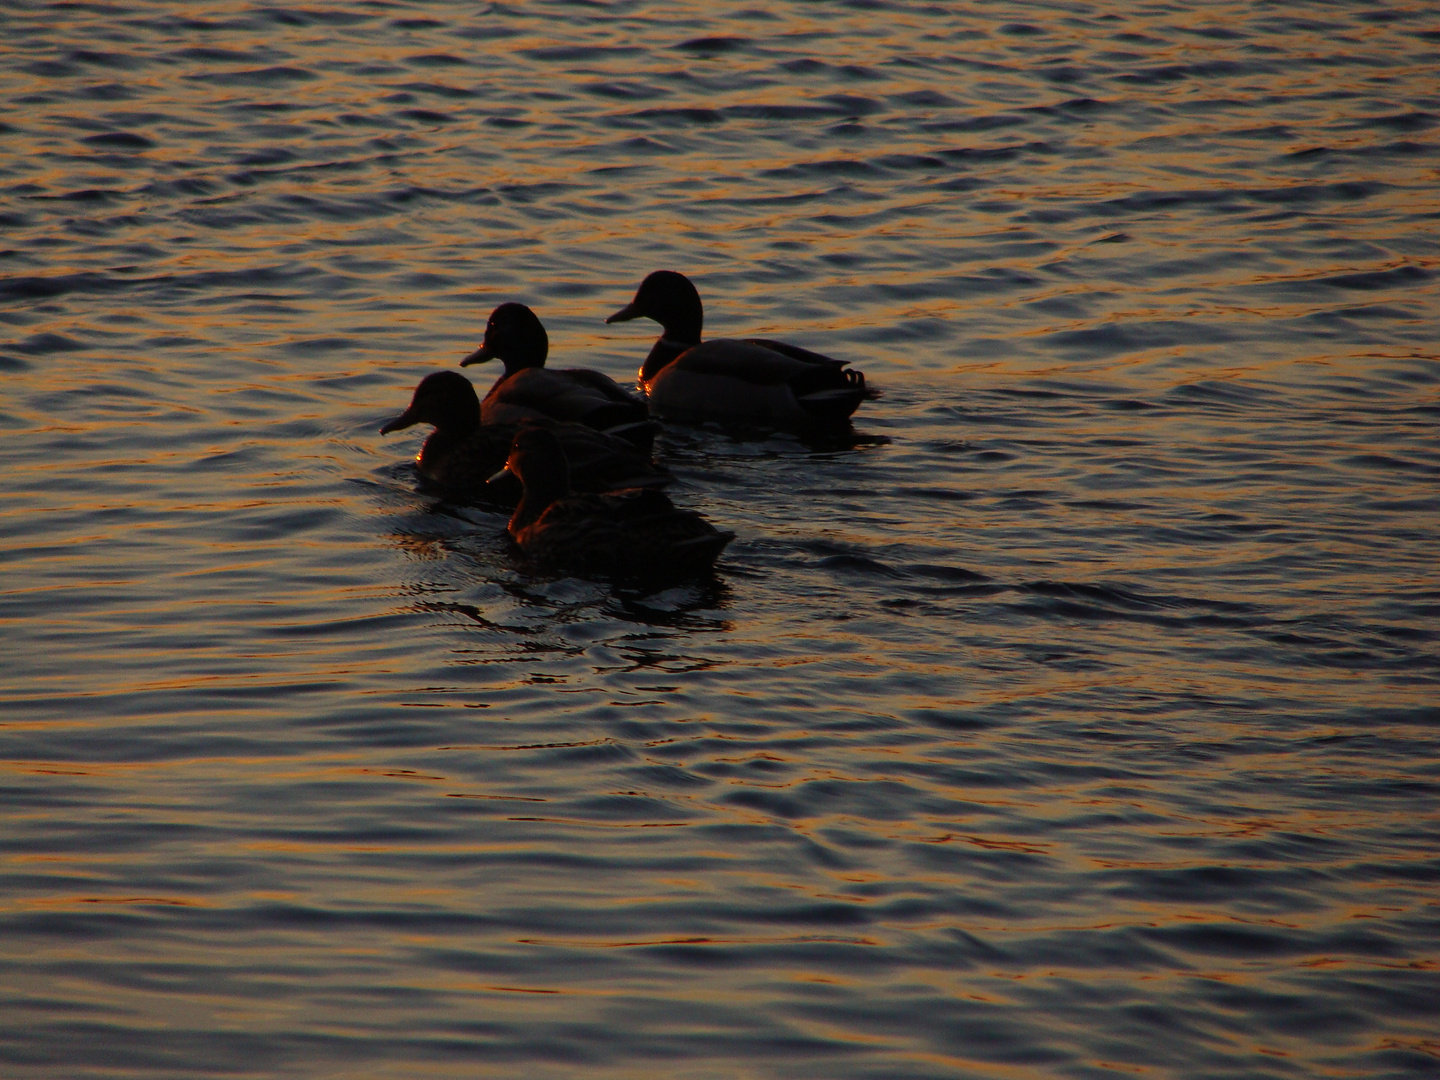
[{"x": 1075, "y": 719}]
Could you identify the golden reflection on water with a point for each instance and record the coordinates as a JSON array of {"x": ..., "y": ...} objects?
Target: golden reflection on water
[{"x": 211, "y": 547}]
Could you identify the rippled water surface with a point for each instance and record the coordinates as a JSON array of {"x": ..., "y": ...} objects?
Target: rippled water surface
[{"x": 1078, "y": 718}]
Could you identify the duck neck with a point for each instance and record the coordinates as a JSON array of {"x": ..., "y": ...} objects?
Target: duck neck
[
  {"x": 662, "y": 353},
  {"x": 683, "y": 322},
  {"x": 461, "y": 420},
  {"x": 540, "y": 493},
  {"x": 437, "y": 449},
  {"x": 519, "y": 358}
]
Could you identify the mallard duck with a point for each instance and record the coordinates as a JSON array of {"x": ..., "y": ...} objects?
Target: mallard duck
[
  {"x": 752, "y": 381},
  {"x": 529, "y": 389},
  {"x": 462, "y": 455},
  {"x": 628, "y": 535}
]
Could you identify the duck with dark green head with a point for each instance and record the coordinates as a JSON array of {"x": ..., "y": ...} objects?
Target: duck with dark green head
[
  {"x": 462, "y": 454},
  {"x": 632, "y": 536},
  {"x": 754, "y": 381},
  {"x": 516, "y": 337}
]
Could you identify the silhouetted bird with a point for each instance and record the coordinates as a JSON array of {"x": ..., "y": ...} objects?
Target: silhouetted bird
[
  {"x": 528, "y": 388},
  {"x": 751, "y": 381},
  {"x": 636, "y": 535},
  {"x": 462, "y": 455}
]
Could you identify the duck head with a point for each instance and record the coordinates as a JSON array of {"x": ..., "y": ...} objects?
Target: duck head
[
  {"x": 444, "y": 399},
  {"x": 538, "y": 460},
  {"x": 672, "y": 301},
  {"x": 515, "y": 336}
]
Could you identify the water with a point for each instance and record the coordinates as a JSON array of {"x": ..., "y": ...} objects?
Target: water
[{"x": 1079, "y": 720}]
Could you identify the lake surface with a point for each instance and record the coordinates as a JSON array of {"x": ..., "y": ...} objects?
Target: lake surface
[{"x": 1078, "y": 718}]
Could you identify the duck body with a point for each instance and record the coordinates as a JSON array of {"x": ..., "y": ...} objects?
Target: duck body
[
  {"x": 637, "y": 535},
  {"x": 578, "y": 395},
  {"x": 750, "y": 381},
  {"x": 528, "y": 390},
  {"x": 463, "y": 454}
]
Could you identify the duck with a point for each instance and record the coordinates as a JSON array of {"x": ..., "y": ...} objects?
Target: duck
[
  {"x": 754, "y": 381},
  {"x": 462, "y": 455},
  {"x": 528, "y": 389},
  {"x": 636, "y": 535}
]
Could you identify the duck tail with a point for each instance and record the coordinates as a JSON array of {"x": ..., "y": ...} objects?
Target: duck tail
[
  {"x": 698, "y": 553},
  {"x": 858, "y": 378},
  {"x": 831, "y": 395}
]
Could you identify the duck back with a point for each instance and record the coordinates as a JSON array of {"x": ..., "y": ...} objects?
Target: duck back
[
  {"x": 735, "y": 381},
  {"x": 598, "y": 462},
  {"x": 636, "y": 535},
  {"x": 577, "y": 395}
]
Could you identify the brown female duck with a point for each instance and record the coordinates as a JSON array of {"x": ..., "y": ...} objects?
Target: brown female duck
[
  {"x": 751, "y": 381},
  {"x": 529, "y": 389},
  {"x": 462, "y": 455},
  {"x": 632, "y": 535}
]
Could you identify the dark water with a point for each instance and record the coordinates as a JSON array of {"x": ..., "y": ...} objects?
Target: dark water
[{"x": 1078, "y": 721}]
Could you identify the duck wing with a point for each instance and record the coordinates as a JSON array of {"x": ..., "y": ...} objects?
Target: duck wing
[
  {"x": 573, "y": 394},
  {"x": 598, "y": 462},
  {"x": 638, "y": 535},
  {"x": 603, "y": 462},
  {"x": 795, "y": 352},
  {"x": 463, "y": 466},
  {"x": 602, "y": 385},
  {"x": 746, "y": 361},
  {"x": 829, "y": 385},
  {"x": 748, "y": 382}
]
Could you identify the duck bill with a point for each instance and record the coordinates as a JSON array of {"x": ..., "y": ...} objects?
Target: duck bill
[
  {"x": 479, "y": 356},
  {"x": 625, "y": 314},
  {"x": 503, "y": 472},
  {"x": 404, "y": 420}
]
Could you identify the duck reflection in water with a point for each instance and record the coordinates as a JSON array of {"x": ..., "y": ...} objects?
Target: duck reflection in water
[
  {"x": 462, "y": 455},
  {"x": 754, "y": 381},
  {"x": 637, "y": 535},
  {"x": 528, "y": 389}
]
